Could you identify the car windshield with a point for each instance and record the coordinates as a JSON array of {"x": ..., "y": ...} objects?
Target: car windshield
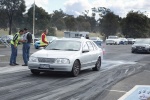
[
  {"x": 113, "y": 37},
  {"x": 93, "y": 38},
  {"x": 64, "y": 45},
  {"x": 97, "y": 42},
  {"x": 142, "y": 41},
  {"x": 130, "y": 38},
  {"x": 50, "y": 38}
]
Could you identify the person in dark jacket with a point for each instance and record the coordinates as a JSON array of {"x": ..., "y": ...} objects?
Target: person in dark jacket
[{"x": 27, "y": 40}]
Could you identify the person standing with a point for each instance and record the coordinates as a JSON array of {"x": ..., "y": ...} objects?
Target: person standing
[
  {"x": 43, "y": 41},
  {"x": 14, "y": 44},
  {"x": 27, "y": 40}
]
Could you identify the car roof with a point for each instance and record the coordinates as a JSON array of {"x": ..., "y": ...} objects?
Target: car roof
[{"x": 74, "y": 39}]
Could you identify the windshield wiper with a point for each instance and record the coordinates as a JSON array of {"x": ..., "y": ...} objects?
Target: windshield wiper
[
  {"x": 54, "y": 49},
  {"x": 70, "y": 50}
]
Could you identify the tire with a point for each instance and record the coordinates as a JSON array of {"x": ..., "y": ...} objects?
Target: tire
[
  {"x": 36, "y": 47},
  {"x": 97, "y": 65},
  {"x": 35, "y": 72},
  {"x": 75, "y": 69}
]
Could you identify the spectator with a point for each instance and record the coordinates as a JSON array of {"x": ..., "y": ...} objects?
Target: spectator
[
  {"x": 14, "y": 44},
  {"x": 27, "y": 40},
  {"x": 43, "y": 41}
]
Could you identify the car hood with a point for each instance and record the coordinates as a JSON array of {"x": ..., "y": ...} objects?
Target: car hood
[
  {"x": 54, "y": 53},
  {"x": 139, "y": 44},
  {"x": 111, "y": 39}
]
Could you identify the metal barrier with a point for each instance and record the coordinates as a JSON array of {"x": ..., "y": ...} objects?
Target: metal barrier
[{"x": 5, "y": 40}]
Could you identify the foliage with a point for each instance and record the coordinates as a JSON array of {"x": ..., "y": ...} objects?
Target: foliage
[
  {"x": 41, "y": 18},
  {"x": 70, "y": 22},
  {"x": 11, "y": 7},
  {"x": 109, "y": 24},
  {"x": 136, "y": 25}
]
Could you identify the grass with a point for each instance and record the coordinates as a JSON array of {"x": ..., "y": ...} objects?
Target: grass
[{"x": 2, "y": 32}]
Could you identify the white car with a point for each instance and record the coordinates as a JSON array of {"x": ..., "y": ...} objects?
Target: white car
[
  {"x": 113, "y": 40},
  {"x": 141, "y": 45},
  {"x": 96, "y": 39},
  {"x": 123, "y": 41},
  {"x": 69, "y": 55}
]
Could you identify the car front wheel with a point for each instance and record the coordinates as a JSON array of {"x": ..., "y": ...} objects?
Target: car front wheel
[
  {"x": 35, "y": 72},
  {"x": 75, "y": 69},
  {"x": 97, "y": 65}
]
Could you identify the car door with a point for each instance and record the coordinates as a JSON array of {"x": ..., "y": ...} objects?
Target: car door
[
  {"x": 93, "y": 53},
  {"x": 85, "y": 56}
]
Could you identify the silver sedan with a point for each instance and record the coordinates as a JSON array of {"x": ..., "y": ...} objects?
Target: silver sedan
[{"x": 68, "y": 55}]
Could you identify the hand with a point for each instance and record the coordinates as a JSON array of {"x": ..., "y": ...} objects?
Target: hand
[{"x": 15, "y": 46}]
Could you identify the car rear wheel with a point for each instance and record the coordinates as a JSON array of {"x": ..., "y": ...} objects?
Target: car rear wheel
[
  {"x": 35, "y": 72},
  {"x": 132, "y": 51},
  {"x": 75, "y": 69},
  {"x": 97, "y": 65}
]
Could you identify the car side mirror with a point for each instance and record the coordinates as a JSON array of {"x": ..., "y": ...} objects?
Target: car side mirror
[{"x": 85, "y": 50}]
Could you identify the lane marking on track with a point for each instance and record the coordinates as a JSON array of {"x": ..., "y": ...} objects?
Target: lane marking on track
[
  {"x": 12, "y": 69},
  {"x": 106, "y": 65},
  {"x": 2, "y": 55},
  {"x": 116, "y": 91}
]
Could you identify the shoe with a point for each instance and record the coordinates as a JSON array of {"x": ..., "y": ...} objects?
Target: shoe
[
  {"x": 16, "y": 64},
  {"x": 25, "y": 65},
  {"x": 12, "y": 64}
]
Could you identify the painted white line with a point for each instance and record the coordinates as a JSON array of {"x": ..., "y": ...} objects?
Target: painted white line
[
  {"x": 146, "y": 70},
  {"x": 116, "y": 91},
  {"x": 12, "y": 69},
  {"x": 2, "y": 55}
]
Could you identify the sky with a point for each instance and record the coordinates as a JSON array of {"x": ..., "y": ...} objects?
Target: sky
[{"x": 77, "y": 7}]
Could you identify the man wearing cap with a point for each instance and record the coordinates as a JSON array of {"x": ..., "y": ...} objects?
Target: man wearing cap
[{"x": 14, "y": 44}]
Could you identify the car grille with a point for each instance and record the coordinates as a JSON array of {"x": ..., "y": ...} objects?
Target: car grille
[
  {"x": 110, "y": 41},
  {"x": 140, "y": 47},
  {"x": 46, "y": 60}
]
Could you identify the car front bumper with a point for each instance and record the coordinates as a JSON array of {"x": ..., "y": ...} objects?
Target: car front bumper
[
  {"x": 52, "y": 67},
  {"x": 141, "y": 50}
]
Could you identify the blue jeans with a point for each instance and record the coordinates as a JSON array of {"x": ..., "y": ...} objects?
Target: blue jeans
[
  {"x": 13, "y": 54},
  {"x": 26, "y": 52}
]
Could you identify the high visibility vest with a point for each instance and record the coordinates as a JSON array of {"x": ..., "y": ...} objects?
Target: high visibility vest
[
  {"x": 41, "y": 42},
  {"x": 17, "y": 36}
]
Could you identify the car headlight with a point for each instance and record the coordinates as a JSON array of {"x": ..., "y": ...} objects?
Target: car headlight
[
  {"x": 133, "y": 46},
  {"x": 147, "y": 46},
  {"x": 62, "y": 61},
  {"x": 33, "y": 59}
]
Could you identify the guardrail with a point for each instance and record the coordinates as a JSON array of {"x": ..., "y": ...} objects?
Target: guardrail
[{"x": 5, "y": 40}]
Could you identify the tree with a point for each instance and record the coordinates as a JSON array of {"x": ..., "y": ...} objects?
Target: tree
[
  {"x": 71, "y": 23},
  {"x": 109, "y": 24},
  {"x": 135, "y": 25},
  {"x": 57, "y": 19},
  {"x": 3, "y": 19},
  {"x": 42, "y": 18},
  {"x": 10, "y": 7}
]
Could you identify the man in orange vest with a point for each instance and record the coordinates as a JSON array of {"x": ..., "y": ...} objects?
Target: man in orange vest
[{"x": 43, "y": 41}]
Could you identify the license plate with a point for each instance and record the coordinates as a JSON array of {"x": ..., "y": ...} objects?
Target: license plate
[{"x": 44, "y": 66}]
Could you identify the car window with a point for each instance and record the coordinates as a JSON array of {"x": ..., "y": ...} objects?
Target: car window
[
  {"x": 85, "y": 47},
  {"x": 142, "y": 41},
  {"x": 64, "y": 45},
  {"x": 90, "y": 46},
  {"x": 94, "y": 45}
]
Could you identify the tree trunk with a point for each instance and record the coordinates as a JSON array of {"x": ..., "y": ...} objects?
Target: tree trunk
[{"x": 10, "y": 25}]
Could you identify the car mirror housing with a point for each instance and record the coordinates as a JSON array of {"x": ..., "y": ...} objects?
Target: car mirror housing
[{"x": 85, "y": 50}]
